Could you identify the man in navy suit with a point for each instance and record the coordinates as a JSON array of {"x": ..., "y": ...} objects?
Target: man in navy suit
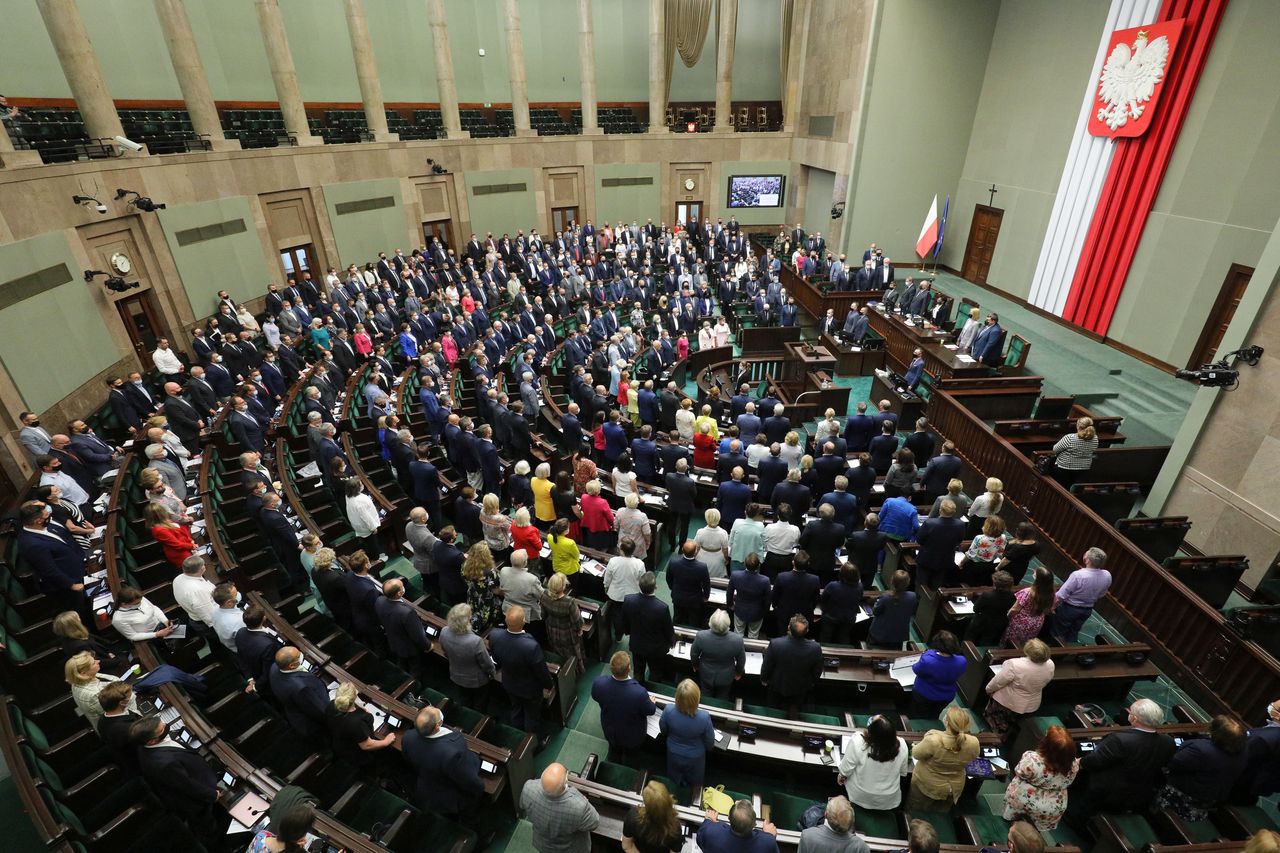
[
  {"x": 845, "y": 504},
  {"x": 749, "y": 424},
  {"x": 771, "y": 471},
  {"x": 796, "y": 591},
  {"x": 300, "y": 692},
  {"x": 859, "y": 430},
  {"x": 732, "y": 497},
  {"x": 490, "y": 464},
  {"x": 256, "y": 649},
  {"x": 283, "y": 541},
  {"x": 55, "y": 558},
  {"x": 571, "y": 429},
  {"x": 524, "y": 670},
  {"x": 940, "y": 470},
  {"x": 426, "y": 482},
  {"x": 625, "y": 707},
  {"x": 792, "y": 665},
  {"x": 646, "y": 620},
  {"x": 986, "y": 346},
  {"x": 690, "y": 583},
  {"x": 1261, "y": 776},
  {"x": 794, "y": 493},
  {"x": 915, "y": 369},
  {"x": 777, "y": 425},
  {"x": 939, "y": 538},
  {"x": 448, "y": 773},
  {"x": 644, "y": 456},
  {"x": 96, "y": 455},
  {"x": 406, "y": 635},
  {"x": 826, "y": 468},
  {"x": 244, "y": 427},
  {"x": 181, "y": 780}
]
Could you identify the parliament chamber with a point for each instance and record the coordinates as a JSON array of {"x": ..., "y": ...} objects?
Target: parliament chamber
[{"x": 464, "y": 425}]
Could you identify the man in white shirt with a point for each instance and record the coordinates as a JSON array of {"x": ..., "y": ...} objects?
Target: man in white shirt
[
  {"x": 51, "y": 474},
  {"x": 194, "y": 592},
  {"x": 166, "y": 360},
  {"x": 228, "y": 618}
]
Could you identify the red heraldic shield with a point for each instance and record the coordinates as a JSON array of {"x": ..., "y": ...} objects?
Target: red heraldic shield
[{"x": 1132, "y": 78}]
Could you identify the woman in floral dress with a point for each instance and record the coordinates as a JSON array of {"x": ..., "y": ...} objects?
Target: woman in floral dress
[
  {"x": 1030, "y": 608},
  {"x": 562, "y": 616},
  {"x": 1038, "y": 792},
  {"x": 483, "y": 593}
]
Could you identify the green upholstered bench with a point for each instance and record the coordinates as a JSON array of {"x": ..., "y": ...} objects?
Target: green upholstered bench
[
  {"x": 879, "y": 824},
  {"x": 619, "y": 776}
]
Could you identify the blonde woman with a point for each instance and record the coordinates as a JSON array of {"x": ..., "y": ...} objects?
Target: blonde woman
[
  {"x": 791, "y": 452},
  {"x": 496, "y": 525},
  {"x": 83, "y": 673},
  {"x": 544, "y": 511},
  {"x": 562, "y": 619},
  {"x": 1016, "y": 689},
  {"x": 483, "y": 593},
  {"x": 685, "y": 419},
  {"x": 713, "y": 545},
  {"x": 351, "y": 730},
  {"x": 827, "y": 428},
  {"x": 633, "y": 524},
  {"x": 654, "y": 825},
  {"x": 690, "y": 735},
  {"x": 955, "y": 494},
  {"x": 706, "y": 417},
  {"x": 1073, "y": 454},
  {"x": 470, "y": 666},
  {"x": 74, "y": 638},
  {"x": 941, "y": 758},
  {"x": 987, "y": 504},
  {"x": 972, "y": 326}
]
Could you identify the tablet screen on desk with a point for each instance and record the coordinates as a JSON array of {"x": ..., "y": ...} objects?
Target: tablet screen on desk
[{"x": 488, "y": 766}]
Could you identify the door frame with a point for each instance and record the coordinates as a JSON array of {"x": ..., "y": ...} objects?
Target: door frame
[
  {"x": 144, "y": 298},
  {"x": 292, "y": 250},
  {"x": 446, "y": 229},
  {"x": 687, "y": 204},
  {"x": 968, "y": 246},
  {"x": 575, "y": 218},
  {"x": 1213, "y": 320}
]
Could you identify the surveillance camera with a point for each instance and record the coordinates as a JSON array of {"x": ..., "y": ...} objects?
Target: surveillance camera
[
  {"x": 100, "y": 207},
  {"x": 124, "y": 142},
  {"x": 1211, "y": 376}
]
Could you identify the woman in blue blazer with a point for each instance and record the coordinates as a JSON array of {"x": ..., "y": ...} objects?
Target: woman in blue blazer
[{"x": 689, "y": 735}]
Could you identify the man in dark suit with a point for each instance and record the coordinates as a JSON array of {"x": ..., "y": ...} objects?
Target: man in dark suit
[
  {"x": 731, "y": 456},
  {"x": 690, "y": 584},
  {"x": 284, "y": 543},
  {"x": 185, "y": 785},
  {"x": 302, "y": 695},
  {"x": 749, "y": 423},
  {"x": 792, "y": 666},
  {"x": 732, "y": 497},
  {"x": 201, "y": 393},
  {"x": 940, "y": 470},
  {"x": 791, "y": 491},
  {"x": 771, "y": 471},
  {"x": 116, "y": 723},
  {"x": 364, "y": 591},
  {"x": 1261, "y": 776},
  {"x": 682, "y": 495},
  {"x": 425, "y": 480},
  {"x": 123, "y": 406},
  {"x": 826, "y": 468},
  {"x": 406, "y": 635},
  {"x": 914, "y": 370},
  {"x": 625, "y": 707},
  {"x": 1126, "y": 769},
  {"x": 55, "y": 558},
  {"x": 571, "y": 429},
  {"x": 72, "y": 465},
  {"x": 403, "y": 453},
  {"x": 777, "y": 425},
  {"x": 883, "y": 447},
  {"x": 859, "y": 430},
  {"x": 670, "y": 403},
  {"x": 448, "y": 559},
  {"x": 987, "y": 346},
  {"x": 939, "y": 538},
  {"x": 448, "y": 773},
  {"x": 490, "y": 464},
  {"x": 820, "y": 539},
  {"x": 144, "y": 400},
  {"x": 796, "y": 591},
  {"x": 244, "y": 426},
  {"x": 646, "y": 620},
  {"x": 921, "y": 442},
  {"x": 256, "y": 649},
  {"x": 183, "y": 418},
  {"x": 523, "y": 668}
]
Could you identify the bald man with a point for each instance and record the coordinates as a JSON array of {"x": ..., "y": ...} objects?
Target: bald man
[
  {"x": 183, "y": 418},
  {"x": 302, "y": 694},
  {"x": 524, "y": 670},
  {"x": 448, "y": 773},
  {"x": 561, "y": 816}
]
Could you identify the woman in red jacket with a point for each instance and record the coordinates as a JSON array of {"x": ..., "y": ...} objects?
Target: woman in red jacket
[
  {"x": 704, "y": 448},
  {"x": 526, "y": 537},
  {"x": 173, "y": 537},
  {"x": 597, "y": 518}
]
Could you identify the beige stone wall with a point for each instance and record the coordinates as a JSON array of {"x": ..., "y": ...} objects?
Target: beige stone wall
[{"x": 1230, "y": 485}]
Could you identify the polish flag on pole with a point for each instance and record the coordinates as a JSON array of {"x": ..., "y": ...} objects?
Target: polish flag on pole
[{"x": 929, "y": 233}]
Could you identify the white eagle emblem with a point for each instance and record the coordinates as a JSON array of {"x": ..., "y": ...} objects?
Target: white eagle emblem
[{"x": 1129, "y": 78}]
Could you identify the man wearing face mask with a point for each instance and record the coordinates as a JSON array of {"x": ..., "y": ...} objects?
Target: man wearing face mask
[
  {"x": 183, "y": 418},
  {"x": 122, "y": 406},
  {"x": 34, "y": 437},
  {"x": 220, "y": 377},
  {"x": 56, "y": 559},
  {"x": 244, "y": 426},
  {"x": 51, "y": 474},
  {"x": 194, "y": 592},
  {"x": 144, "y": 400},
  {"x": 228, "y": 619},
  {"x": 302, "y": 694}
]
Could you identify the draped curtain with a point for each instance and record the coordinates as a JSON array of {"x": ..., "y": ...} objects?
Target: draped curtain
[
  {"x": 686, "y": 32},
  {"x": 784, "y": 50}
]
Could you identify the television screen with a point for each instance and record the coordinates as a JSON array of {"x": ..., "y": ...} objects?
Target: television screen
[{"x": 756, "y": 190}]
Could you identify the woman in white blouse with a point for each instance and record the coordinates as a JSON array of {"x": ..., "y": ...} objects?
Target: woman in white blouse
[
  {"x": 82, "y": 673},
  {"x": 685, "y": 419},
  {"x": 706, "y": 336},
  {"x": 136, "y": 618},
  {"x": 624, "y": 479},
  {"x": 713, "y": 545},
  {"x": 827, "y": 428},
  {"x": 722, "y": 332},
  {"x": 633, "y": 524},
  {"x": 970, "y": 331},
  {"x": 792, "y": 451},
  {"x": 363, "y": 516},
  {"x": 872, "y": 768}
]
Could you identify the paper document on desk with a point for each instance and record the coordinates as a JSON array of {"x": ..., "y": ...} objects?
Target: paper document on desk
[
  {"x": 965, "y": 609},
  {"x": 651, "y": 727},
  {"x": 967, "y": 359},
  {"x": 855, "y": 349},
  {"x": 959, "y": 557},
  {"x": 755, "y": 663},
  {"x": 901, "y": 672},
  {"x": 652, "y": 500},
  {"x": 682, "y": 650},
  {"x": 996, "y": 667},
  {"x": 311, "y": 469},
  {"x": 952, "y": 347},
  {"x": 179, "y": 632},
  {"x": 862, "y": 616},
  {"x": 878, "y": 488},
  {"x": 593, "y": 567},
  {"x": 718, "y": 596}
]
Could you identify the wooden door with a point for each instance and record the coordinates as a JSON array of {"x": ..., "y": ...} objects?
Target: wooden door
[
  {"x": 982, "y": 243},
  {"x": 142, "y": 322},
  {"x": 440, "y": 229},
  {"x": 1224, "y": 308},
  {"x": 689, "y": 214},
  {"x": 296, "y": 260},
  {"x": 562, "y": 218}
]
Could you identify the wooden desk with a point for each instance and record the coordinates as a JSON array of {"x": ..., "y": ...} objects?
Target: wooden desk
[
  {"x": 908, "y": 406},
  {"x": 854, "y": 361},
  {"x": 901, "y": 340},
  {"x": 803, "y": 358},
  {"x": 1110, "y": 677}
]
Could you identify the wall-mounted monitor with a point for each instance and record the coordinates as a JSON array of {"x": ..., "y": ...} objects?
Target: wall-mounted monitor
[{"x": 756, "y": 190}]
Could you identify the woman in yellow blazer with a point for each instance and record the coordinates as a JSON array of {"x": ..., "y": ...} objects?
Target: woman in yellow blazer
[
  {"x": 564, "y": 551},
  {"x": 937, "y": 781}
]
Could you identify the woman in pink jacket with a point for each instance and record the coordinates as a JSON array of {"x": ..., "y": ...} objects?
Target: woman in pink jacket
[
  {"x": 1015, "y": 690},
  {"x": 450, "y": 348}
]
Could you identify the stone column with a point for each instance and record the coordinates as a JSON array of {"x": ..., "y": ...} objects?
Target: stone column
[
  {"x": 185, "y": 58},
  {"x": 444, "y": 71},
  {"x": 795, "y": 66},
  {"x": 375, "y": 111},
  {"x": 515, "y": 67},
  {"x": 81, "y": 67},
  {"x": 657, "y": 67},
  {"x": 728, "y": 36},
  {"x": 283, "y": 73},
  {"x": 587, "y": 65}
]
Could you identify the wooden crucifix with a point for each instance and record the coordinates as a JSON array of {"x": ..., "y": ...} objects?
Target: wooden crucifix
[{"x": 992, "y": 201}]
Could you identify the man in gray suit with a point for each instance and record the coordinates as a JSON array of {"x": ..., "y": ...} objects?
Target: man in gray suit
[
  {"x": 719, "y": 656},
  {"x": 33, "y": 436},
  {"x": 422, "y": 541},
  {"x": 173, "y": 476}
]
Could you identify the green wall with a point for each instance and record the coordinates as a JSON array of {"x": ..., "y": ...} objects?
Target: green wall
[
  {"x": 227, "y": 34},
  {"x": 234, "y": 262},
  {"x": 763, "y": 215},
  {"x": 361, "y": 235},
  {"x": 926, "y": 77},
  {"x": 1218, "y": 203},
  {"x": 504, "y": 212},
  {"x": 67, "y": 318},
  {"x": 817, "y": 202},
  {"x": 625, "y": 204},
  {"x": 1022, "y": 130}
]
